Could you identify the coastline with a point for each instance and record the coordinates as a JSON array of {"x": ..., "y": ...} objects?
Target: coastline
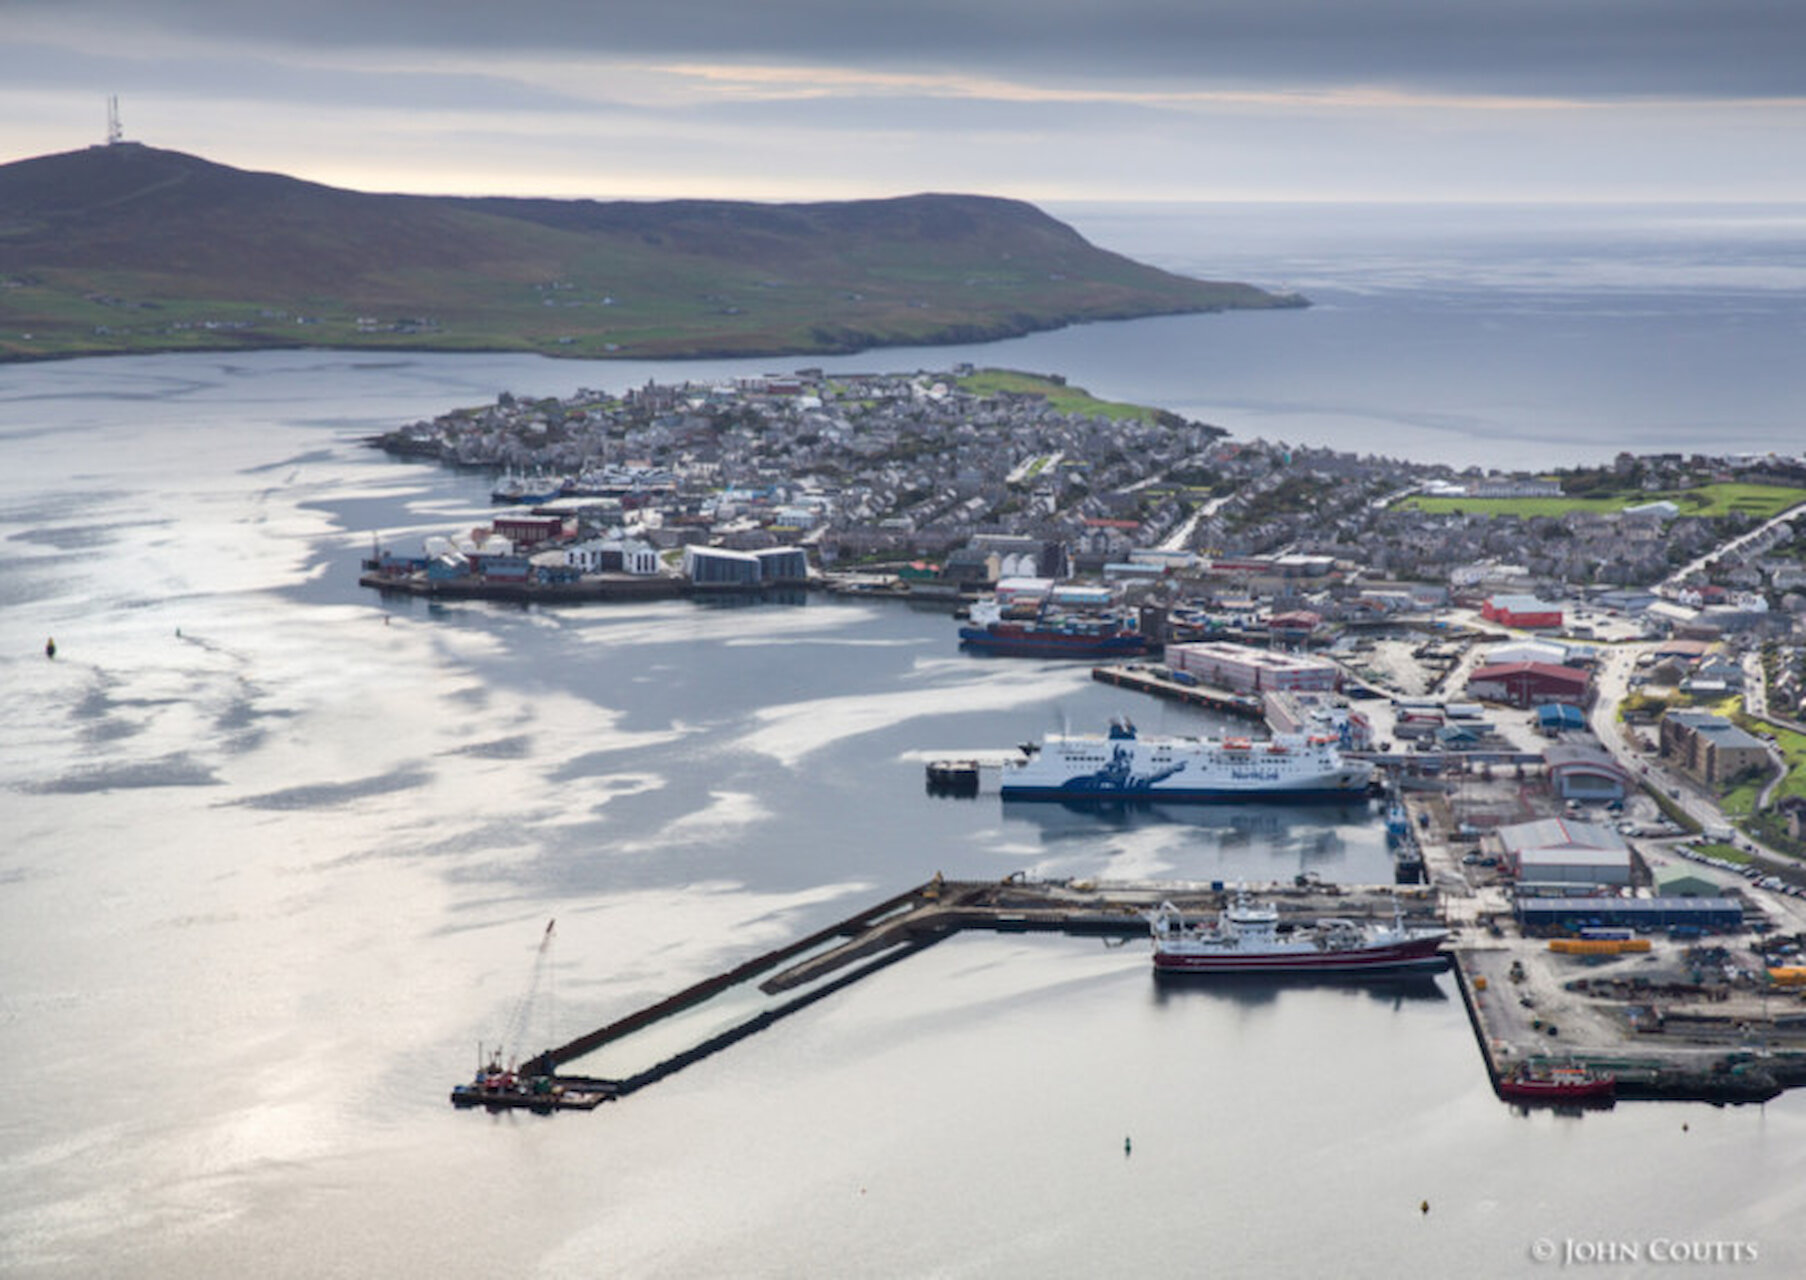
[{"x": 857, "y": 342}]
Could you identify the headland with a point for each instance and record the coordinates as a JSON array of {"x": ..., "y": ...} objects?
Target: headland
[{"x": 131, "y": 248}]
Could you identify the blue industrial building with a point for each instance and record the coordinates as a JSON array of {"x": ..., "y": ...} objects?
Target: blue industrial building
[{"x": 1637, "y": 913}]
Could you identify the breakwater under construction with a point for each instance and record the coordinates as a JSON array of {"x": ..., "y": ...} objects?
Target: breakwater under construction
[{"x": 753, "y": 995}]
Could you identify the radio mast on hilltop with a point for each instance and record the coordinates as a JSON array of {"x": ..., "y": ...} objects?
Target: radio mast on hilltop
[{"x": 115, "y": 135}]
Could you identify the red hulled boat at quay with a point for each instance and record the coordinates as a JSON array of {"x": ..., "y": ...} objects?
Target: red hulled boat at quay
[{"x": 1561, "y": 1086}]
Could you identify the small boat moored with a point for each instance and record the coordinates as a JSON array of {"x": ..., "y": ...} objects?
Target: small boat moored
[{"x": 1565, "y": 1085}]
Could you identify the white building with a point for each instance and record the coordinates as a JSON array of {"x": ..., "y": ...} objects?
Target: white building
[
  {"x": 1557, "y": 851},
  {"x": 1238, "y": 666},
  {"x": 612, "y": 555},
  {"x": 1547, "y": 651}
]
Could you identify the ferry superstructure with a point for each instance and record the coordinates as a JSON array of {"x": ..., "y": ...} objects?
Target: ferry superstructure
[{"x": 1123, "y": 765}]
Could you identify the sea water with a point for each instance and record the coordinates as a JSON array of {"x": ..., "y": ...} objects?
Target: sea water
[{"x": 280, "y": 852}]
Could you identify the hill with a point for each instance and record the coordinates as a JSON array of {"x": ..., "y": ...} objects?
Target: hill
[{"x": 132, "y": 248}]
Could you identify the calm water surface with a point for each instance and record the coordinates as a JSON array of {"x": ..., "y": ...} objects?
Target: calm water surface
[{"x": 279, "y": 853}]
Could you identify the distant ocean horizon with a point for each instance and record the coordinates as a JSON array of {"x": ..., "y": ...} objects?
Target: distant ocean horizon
[{"x": 1497, "y": 336}]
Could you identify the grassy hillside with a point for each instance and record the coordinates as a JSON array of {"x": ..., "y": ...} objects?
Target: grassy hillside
[
  {"x": 1055, "y": 391},
  {"x": 131, "y": 248},
  {"x": 1760, "y": 501}
]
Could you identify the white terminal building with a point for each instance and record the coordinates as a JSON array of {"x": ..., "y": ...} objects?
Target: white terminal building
[{"x": 1246, "y": 669}]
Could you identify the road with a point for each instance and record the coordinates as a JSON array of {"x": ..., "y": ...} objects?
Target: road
[
  {"x": 1613, "y": 684},
  {"x": 1671, "y": 585}
]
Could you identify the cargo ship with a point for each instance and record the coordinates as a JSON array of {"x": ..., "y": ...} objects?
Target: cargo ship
[
  {"x": 1052, "y": 635},
  {"x": 1126, "y": 766},
  {"x": 1247, "y": 937}
]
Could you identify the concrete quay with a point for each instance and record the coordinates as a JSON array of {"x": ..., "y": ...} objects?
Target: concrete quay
[
  {"x": 1143, "y": 679},
  {"x": 1687, "y": 1019},
  {"x": 1667, "y": 1023}
]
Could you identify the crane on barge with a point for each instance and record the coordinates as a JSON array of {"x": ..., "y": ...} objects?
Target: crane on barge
[{"x": 501, "y": 1084}]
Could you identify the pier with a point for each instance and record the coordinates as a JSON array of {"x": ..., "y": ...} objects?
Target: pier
[
  {"x": 1526, "y": 1002},
  {"x": 1144, "y": 680},
  {"x": 1661, "y": 1029},
  {"x": 778, "y": 983}
]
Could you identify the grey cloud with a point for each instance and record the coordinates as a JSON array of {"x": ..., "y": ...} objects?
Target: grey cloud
[
  {"x": 33, "y": 66},
  {"x": 1588, "y": 48}
]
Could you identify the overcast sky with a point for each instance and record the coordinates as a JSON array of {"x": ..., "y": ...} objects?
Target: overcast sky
[{"x": 1496, "y": 100}]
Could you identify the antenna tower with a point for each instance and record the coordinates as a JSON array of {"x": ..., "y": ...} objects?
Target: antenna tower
[{"x": 115, "y": 135}]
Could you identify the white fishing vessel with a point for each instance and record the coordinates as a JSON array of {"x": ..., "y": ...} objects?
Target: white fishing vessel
[{"x": 1247, "y": 937}]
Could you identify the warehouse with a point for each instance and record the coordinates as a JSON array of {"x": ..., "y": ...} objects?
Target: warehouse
[
  {"x": 1528, "y": 684},
  {"x": 1526, "y": 612},
  {"x": 1239, "y": 667},
  {"x": 1685, "y": 882},
  {"x": 1556, "y": 851},
  {"x": 1558, "y": 717},
  {"x": 1552, "y": 652},
  {"x": 1569, "y": 914},
  {"x": 1587, "y": 773}
]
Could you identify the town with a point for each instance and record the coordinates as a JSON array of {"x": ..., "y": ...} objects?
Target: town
[{"x": 1583, "y": 687}]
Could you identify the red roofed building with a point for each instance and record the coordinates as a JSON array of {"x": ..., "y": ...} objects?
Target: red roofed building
[
  {"x": 1527, "y": 612},
  {"x": 527, "y": 531},
  {"x": 1528, "y": 684},
  {"x": 1296, "y": 627}
]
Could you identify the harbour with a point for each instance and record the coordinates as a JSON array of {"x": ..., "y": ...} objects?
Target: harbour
[
  {"x": 1496, "y": 970},
  {"x": 315, "y": 916},
  {"x": 831, "y": 959}
]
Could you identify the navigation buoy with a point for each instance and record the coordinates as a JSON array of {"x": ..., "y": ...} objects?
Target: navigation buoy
[
  {"x": 1127, "y": 1146},
  {"x": 1424, "y": 1207},
  {"x": 50, "y": 647}
]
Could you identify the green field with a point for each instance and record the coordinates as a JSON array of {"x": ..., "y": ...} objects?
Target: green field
[
  {"x": 1760, "y": 501},
  {"x": 1065, "y": 399},
  {"x": 132, "y": 248}
]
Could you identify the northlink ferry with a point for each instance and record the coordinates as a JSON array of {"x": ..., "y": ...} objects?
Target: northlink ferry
[{"x": 1125, "y": 765}]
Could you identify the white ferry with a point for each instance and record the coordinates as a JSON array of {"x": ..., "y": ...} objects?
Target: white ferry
[{"x": 1126, "y": 766}]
